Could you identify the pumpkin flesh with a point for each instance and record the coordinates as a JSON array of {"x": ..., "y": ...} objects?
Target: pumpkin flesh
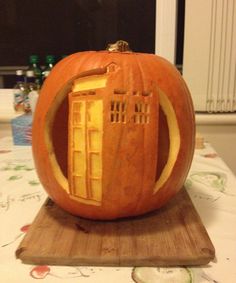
[{"x": 130, "y": 154}]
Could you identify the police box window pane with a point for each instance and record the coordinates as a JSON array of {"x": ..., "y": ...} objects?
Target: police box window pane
[{"x": 64, "y": 27}]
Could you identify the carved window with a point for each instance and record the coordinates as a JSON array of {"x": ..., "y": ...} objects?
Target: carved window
[
  {"x": 118, "y": 111},
  {"x": 142, "y": 93},
  {"x": 141, "y": 113},
  {"x": 119, "y": 91}
]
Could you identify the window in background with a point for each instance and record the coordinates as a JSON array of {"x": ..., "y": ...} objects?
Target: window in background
[{"x": 64, "y": 27}]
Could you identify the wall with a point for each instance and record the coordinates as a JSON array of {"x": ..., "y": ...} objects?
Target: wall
[
  {"x": 210, "y": 54},
  {"x": 220, "y": 131},
  {"x": 209, "y": 71}
]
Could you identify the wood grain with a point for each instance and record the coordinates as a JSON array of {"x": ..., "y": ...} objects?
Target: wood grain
[{"x": 171, "y": 236}]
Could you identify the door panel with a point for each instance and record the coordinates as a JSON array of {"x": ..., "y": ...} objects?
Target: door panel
[{"x": 85, "y": 172}]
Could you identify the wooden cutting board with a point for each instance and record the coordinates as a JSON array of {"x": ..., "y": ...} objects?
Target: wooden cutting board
[{"x": 171, "y": 236}]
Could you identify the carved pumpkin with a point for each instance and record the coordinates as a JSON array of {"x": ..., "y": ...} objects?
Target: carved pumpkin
[{"x": 113, "y": 133}]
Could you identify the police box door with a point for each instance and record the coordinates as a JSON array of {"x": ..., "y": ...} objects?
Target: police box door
[{"x": 85, "y": 148}]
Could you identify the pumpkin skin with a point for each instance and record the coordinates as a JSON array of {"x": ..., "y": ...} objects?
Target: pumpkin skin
[{"x": 145, "y": 146}]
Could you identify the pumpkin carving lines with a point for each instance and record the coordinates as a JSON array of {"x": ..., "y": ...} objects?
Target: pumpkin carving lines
[
  {"x": 100, "y": 148},
  {"x": 85, "y": 173},
  {"x": 174, "y": 135}
]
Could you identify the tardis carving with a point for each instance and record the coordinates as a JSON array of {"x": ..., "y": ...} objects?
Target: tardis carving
[{"x": 98, "y": 109}]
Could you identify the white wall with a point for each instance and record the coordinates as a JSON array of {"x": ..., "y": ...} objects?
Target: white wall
[
  {"x": 209, "y": 71},
  {"x": 210, "y": 54},
  {"x": 166, "y": 19},
  {"x": 221, "y": 135}
]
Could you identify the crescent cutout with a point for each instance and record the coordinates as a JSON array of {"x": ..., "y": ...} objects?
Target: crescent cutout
[{"x": 174, "y": 135}]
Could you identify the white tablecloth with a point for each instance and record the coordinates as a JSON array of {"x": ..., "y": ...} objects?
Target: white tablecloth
[{"x": 212, "y": 188}]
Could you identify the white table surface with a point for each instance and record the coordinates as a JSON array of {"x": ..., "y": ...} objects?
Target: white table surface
[{"x": 210, "y": 184}]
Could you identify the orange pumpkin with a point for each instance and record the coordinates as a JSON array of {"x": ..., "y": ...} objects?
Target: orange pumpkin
[{"x": 113, "y": 133}]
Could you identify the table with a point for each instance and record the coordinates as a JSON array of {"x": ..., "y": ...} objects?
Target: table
[{"x": 210, "y": 184}]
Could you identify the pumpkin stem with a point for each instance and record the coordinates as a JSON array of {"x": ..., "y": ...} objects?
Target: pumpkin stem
[{"x": 119, "y": 46}]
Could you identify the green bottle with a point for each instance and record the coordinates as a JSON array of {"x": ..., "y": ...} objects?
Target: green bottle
[
  {"x": 35, "y": 67},
  {"x": 50, "y": 62}
]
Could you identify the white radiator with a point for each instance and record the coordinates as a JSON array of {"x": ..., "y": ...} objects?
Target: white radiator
[{"x": 209, "y": 66}]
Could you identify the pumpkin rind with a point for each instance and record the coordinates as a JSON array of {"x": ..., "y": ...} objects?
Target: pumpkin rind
[{"x": 128, "y": 184}]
